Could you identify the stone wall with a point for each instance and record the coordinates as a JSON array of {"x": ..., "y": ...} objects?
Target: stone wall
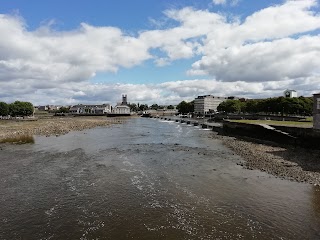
[
  {"x": 316, "y": 121},
  {"x": 307, "y": 137},
  {"x": 220, "y": 117},
  {"x": 300, "y": 137},
  {"x": 316, "y": 111},
  {"x": 257, "y": 132}
]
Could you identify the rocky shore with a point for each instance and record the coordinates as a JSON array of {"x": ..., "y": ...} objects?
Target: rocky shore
[
  {"x": 52, "y": 126},
  {"x": 286, "y": 162}
]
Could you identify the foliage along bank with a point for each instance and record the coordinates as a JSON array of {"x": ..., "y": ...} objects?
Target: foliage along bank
[
  {"x": 185, "y": 107},
  {"x": 16, "y": 109},
  {"x": 282, "y": 105}
]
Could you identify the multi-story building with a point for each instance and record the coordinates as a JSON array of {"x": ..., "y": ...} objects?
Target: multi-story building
[
  {"x": 90, "y": 109},
  {"x": 207, "y": 104}
]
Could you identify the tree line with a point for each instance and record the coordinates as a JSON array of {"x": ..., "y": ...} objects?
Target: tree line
[
  {"x": 16, "y": 109},
  {"x": 278, "y": 105},
  {"x": 143, "y": 107}
]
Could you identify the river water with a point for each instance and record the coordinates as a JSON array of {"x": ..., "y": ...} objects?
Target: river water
[{"x": 146, "y": 179}]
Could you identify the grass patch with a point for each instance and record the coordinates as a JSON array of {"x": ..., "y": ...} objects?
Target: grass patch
[
  {"x": 37, "y": 112},
  {"x": 279, "y": 123},
  {"x": 309, "y": 119},
  {"x": 19, "y": 139}
]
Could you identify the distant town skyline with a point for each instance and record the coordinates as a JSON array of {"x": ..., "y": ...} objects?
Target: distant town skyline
[{"x": 157, "y": 51}]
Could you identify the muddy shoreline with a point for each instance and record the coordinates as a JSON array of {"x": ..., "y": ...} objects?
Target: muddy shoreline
[
  {"x": 286, "y": 162},
  {"x": 53, "y": 126}
]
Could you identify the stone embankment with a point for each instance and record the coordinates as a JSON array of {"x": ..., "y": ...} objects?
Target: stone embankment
[
  {"x": 52, "y": 126},
  {"x": 286, "y": 162}
]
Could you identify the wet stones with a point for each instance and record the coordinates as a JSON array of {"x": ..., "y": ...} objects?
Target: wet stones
[{"x": 285, "y": 162}]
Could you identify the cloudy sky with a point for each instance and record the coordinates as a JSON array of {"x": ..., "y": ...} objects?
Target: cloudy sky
[{"x": 157, "y": 51}]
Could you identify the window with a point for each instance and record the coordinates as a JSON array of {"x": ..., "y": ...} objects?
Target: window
[
  {"x": 287, "y": 94},
  {"x": 318, "y": 103}
]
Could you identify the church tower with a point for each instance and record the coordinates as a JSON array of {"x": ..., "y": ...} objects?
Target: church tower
[{"x": 124, "y": 100}]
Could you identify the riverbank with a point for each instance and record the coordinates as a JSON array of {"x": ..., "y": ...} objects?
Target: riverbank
[
  {"x": 286, "y": 162},
  {"x": 52, "y": 126},
  {"x": 296, "y": 164}
]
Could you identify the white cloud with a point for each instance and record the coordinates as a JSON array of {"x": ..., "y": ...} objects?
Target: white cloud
[
  {"x": 65, "y": 56},
  {"x": 161, "y": 62},
  {"x": 264, "y": 61},
  {"x": 164, "y": 93},
  {"x": 218, "y": 2},
  {"x": 271, "y": 50},
  {"x": 184, "y": 41},
  {"x": 271, "y": 44},
  {"x": 224, "y": 2}
]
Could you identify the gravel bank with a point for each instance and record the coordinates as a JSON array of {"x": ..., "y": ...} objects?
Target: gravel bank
[
  {"x": 296, "y": 164},
  {"x": 52, "y": 126}
]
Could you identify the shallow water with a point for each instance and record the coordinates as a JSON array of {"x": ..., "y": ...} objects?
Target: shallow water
[{"x": 146, "y": 179}]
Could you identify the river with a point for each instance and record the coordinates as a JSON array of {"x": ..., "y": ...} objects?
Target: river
[{"x": 146, "y": 179}]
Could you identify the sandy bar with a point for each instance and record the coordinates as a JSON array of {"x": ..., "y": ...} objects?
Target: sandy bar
[{"x": 53, "y": 126}]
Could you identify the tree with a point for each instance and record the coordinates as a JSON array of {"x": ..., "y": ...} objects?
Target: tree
[
  {"x": 185, "y": 107},
  {"x": 155, "y": 106},
  {"x": 306, "y": 105},
  {"x": 63, "y": 110},
  {"x": 133, "y": 107},
  {"x": 4, "y": 109},
  {"x": 170, "y": 107},
  {"x": 21, "y": 108},
  {"x": 231, "y": 106},
  {"x": 301, "y": 105},
  {"x": 143, "y": 107},
  {"x": 251, "y": 106}
]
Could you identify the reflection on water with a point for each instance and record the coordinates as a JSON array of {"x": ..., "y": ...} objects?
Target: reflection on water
[{"x": 146, "y": 179}]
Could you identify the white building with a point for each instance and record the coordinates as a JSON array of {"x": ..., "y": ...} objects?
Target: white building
[
  {"x": 290, "y": 93},
  {"x": 90, "y": 109},
  {"x": 122, "y": 108},
  {"x": 207, "y": 104}
]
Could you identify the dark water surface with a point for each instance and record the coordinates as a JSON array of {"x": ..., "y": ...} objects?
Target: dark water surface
[{"x": 146, "y": 179}]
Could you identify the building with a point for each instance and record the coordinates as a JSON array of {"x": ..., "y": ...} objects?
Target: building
[
  {"x": 50, "y": 108},
  {"x": 207, "y": 104},
  {"x": 121, "y": 109},
  {"x": 290, "y": 93},
  {"x": 316, "y": 111},
  {"x": 43, "y": 108},
  {"x": 90, "y": 109}
]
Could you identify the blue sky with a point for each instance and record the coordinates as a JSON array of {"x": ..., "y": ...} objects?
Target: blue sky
[{"x": 156, "y": 50}]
